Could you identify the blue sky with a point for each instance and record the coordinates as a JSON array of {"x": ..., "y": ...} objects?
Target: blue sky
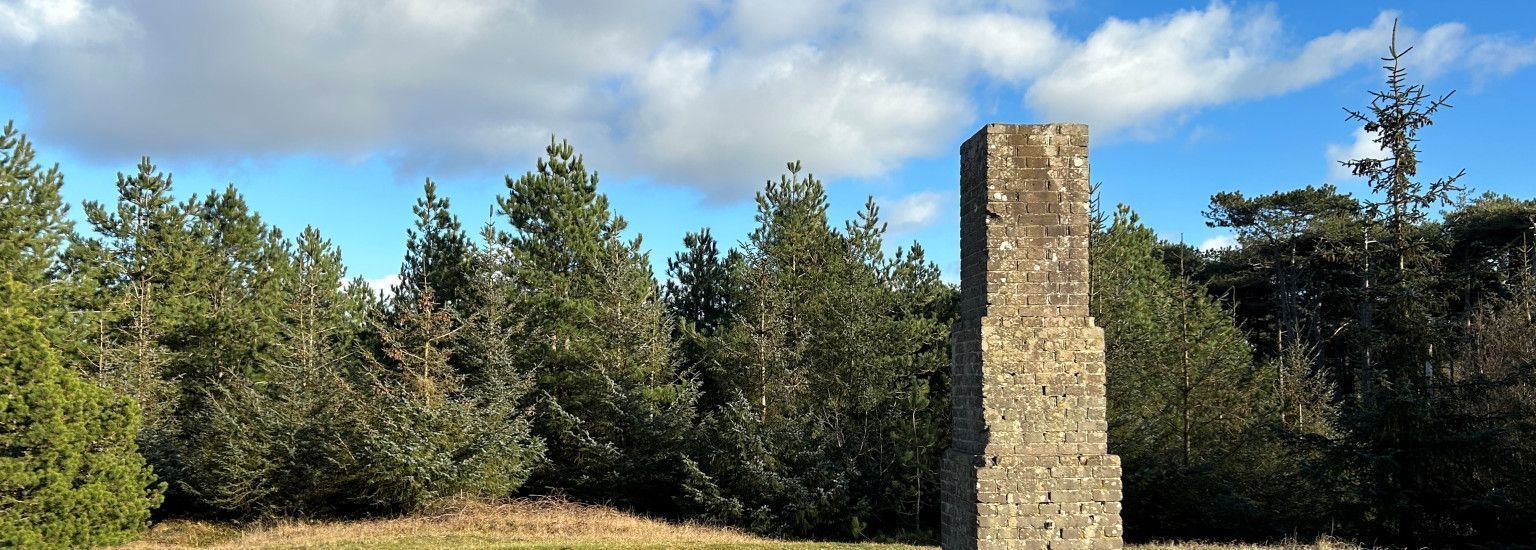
[{"x": 331, "y": 114}]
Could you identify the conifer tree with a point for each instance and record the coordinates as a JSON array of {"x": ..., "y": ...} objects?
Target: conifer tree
[
  {"x": 228, "y": 315},
  {"x": 828, "y": 423},
  {"x": 428, "y": 435},
  {"x": 1406, "y": 334},
  {"x": 136, "y": 264},
  {"x": 698, "y": 296},
  {"x": 588, "y": 320},
  {"x": 322, "y": 320},
  {"x": 698, "y": 279},
  {"x": 1185, "y": 406},
  {"x": 438, "y": 254},
  {"x": 283, "y": 442},
  {"x": 235, "y": 295},
  {"x": 1400, "y": 335},
  {"x": 69, "y": 468},
  {"x": 33, "y": 231},
  {"x": 33, "y": 226}
]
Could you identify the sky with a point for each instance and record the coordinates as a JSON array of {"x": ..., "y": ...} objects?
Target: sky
[{"x": 332, "y": 114}]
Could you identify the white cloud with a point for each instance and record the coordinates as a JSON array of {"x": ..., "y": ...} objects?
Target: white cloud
[
  {"x": 430, "y": 85},
  {"x": 702, "y": 93},
  {"x": 914, "y": 212},
  {"x": 1132, "y": 75},
  {"x": 384, "y": 286},
  {"x": 1362, "y": 146},
  {"x": 936, "y": 39},
  {"x": 1499, "y": 56},
  {"x": 21, "y": 23},
  {"x": 730, "y": 122},
  {"x": 850, "y": 89},
  {"x": 1218, "y": 242}
]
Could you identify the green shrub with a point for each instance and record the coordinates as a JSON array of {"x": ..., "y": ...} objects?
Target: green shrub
[{"x": 70, "y": 471}]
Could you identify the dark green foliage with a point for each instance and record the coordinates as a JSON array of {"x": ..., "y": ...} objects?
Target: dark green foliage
[
  {"x": 227, "y": 323},
  {"x": 698, "y": 290},
  {"x": 281, "y": 443},
  {"x": 439, "y": 256},
  {"x": 1293, "y": 278},
  {"x": 584, "y": 316},
  {"x": 699, "y": 298},
  {"x": 828, "y": 369},
  {"x": 1394, "y": 118},
  {"x": 1418, "y": 327},
  {"x": 33, "y": 231},
  {"x": 135, "y": 267},
  {"x": 424, "y": 434},
  {"x": 1189, "y": 413},
  {"x": 332, "y": 428},
  {"x": 33, "y": 226},
  {"x": 231, "y": 317},
  {"x": 70, "y": 472}
]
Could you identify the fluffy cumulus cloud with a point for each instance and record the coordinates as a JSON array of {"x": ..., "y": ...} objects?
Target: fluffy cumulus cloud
[
  {"x": 1452, "y": 45},
  {"x": 1131, "y": 75},
  {"x": 1362, "y": 145},
  {"x": 434, "y": 83},
  {"x": 915, "y": 211},
  {"x": 731, "y": 121},
  {"x": 850, "y": 89},
  {"x": 713, "y": 95}
]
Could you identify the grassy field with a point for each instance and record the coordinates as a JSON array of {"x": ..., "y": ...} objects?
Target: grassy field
[{"x": 534, "y": 525}]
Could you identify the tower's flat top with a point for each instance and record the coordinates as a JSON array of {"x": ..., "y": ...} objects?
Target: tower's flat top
[{"x": 1063, "y": 128}]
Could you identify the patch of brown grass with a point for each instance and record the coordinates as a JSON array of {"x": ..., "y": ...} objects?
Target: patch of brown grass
[
  {"x": 532, "y": 525},
  {"x": 465, "y": 524}
]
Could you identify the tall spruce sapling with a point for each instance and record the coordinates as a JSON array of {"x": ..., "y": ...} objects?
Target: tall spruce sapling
[{"x": 1394, "y": 118}]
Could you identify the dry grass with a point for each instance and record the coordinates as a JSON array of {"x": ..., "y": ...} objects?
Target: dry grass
[
  {"x": 464, "y": 524},
  {"x": 525, "y": 524},
  {"x": 1325, "y": 544}
]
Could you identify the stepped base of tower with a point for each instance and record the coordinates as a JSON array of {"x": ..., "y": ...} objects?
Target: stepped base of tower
[{"x": 1031, "y": 501}]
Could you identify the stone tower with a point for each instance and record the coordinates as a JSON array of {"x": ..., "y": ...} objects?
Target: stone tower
[{"x": 1028, "y": 466}]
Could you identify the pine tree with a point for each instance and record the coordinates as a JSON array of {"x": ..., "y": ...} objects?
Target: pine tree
[
  {"x": 698, "y": 296},
  {"x": 228, "y": 322},
  {"x": 1395, "y": 117},
  {"x": 588, "y": 320},
  {"x": 697, "y": 291},
  {"x": 1401, "y": 334},
  {"x": 1186, "y": 412},
  {"x": 1406, "y": 334},
  {"x": 438, "y": 254},
  {"x": 135, "y": 266},
  {"x": 283, "y": 443},
  {"x": 33, "y": 226},
  {"x": 234, "y": 297},
  {"x": 322, "y": 321},
  {"x": 825, "y": 419},
  {"x": 69, "y": 468},
  {"x": 33, "y": 230}
]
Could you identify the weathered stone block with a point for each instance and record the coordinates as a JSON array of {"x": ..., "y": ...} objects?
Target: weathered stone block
[{"x": 1028, "y": 465}]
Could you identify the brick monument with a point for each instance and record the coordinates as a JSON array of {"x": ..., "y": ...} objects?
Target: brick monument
[{"x": 1028, "y": 466}]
